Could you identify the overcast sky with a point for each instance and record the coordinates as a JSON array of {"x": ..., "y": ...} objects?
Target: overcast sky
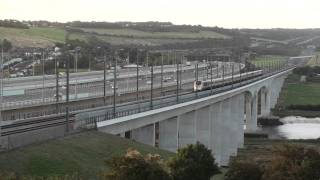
[{"x": 223, "y": 13}]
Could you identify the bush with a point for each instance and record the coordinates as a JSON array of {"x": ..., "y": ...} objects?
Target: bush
[
  {"x": 243, "y": 170},
  {"x": 194, "y": 162},
  {"x": 134, "y": 166},
  {"x": 293, "y": 163},
  {"x": 5, "y": 45},
  {"x": 307, "y": 71}
]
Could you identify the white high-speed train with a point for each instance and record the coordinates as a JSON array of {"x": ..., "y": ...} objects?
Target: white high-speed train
[{"x": 218, "y": 82}]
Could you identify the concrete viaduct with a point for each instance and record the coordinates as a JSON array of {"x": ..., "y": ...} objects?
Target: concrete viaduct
[{"x": 218, "y": 121}]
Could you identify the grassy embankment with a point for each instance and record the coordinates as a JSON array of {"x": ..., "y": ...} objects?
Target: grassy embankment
[{"x": 83, "y": 154}]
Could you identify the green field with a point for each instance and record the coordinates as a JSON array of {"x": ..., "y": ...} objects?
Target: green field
[
  {"x": 83, "y": 153},
  {"x": 297, "y": 93},
  {"x": 269, "y": 60},
  {"x": 167, "y": 35},
  {"x": 36, "y": 37}
]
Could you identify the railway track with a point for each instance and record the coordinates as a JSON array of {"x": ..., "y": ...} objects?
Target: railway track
[{"x": 39, "y": 123}]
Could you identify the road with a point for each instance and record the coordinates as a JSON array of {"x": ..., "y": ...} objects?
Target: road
[{"x": 33, "y": 82}]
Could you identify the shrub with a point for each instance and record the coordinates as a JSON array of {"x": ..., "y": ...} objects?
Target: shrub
[
  {"x": 293, "y": 163},
  {"x": 243, "y": 170},
  {"x": 7, "y": 176},
  {"x": 134, "y": 166},
  {"x": 194, "y": 162}
]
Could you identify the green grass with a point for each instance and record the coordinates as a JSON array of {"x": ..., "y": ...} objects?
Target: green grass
[
  {"x": 302, "y": 94},
  {"x": 37, "y": 36},
  {"x": 295, "y": 92},
  {"x": 83, "y": 153},
  {"x": 170, "y": 35},
  {"x": 269, "y": 60}
]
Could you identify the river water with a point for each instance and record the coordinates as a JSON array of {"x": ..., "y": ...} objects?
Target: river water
[{"x": 294, "y": 127}]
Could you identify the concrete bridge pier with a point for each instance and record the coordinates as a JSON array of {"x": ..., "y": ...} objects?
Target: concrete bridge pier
[
  {"x": 203, "y": 126},
  {"x": 276, "y": 89},
  {"x": 254, "y": 125},
  {"x": 251, "y": 103},
  {"x": 168, "y": 134},
  {"x": 263, "y": 102},
  {"x": 267, "y": 109},
  {"x": 239, "y": 119},
  {"x": 226, "y": 132},
  {"x": 187, "y": 128},
  {"x": 145, "y": 135},
  {"x": 234, "y": 125},
  {"x": 217, "y": 132}
]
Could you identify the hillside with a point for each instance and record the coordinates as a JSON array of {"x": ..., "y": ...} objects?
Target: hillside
[
  {"x": 165, "y": 35},
  {"x": 47, "y": 36},
  {"x": 33, "y": 37},
  {"x": 82, "y": 153}
]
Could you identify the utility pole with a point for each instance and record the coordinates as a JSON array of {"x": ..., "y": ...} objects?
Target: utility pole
[
  {"x": 137, "y": 85},
  {"x": 147, "y": 58},
  {"x": 1, "y": 84},
  {"x": 67, "y": 93},
  {"x": 223, "y": 74},
  {"x": 161, "y": 74},
  {"x": 181, "y": 69},
  {"x": 240, "y": 72},
  {"x": 56, "y": 64},
  {"x": 104, "y": 79},
  {"x": 207, "y": 66},
  {"x": 89, "y": 68},
  {"x": 76, "y": 70},
  {"x": 232, "y": 74},
  {"x": 196, "y": 76},
  {"x": 211, "y": 78},
  {"x": 197, "y": 72},
  {"x": 114, "y": 85},
  {"x": 177, "y": 91},
  {"x": 42, "y": 57},
  {"x": 151, "y": 91},
  {"x": 218, "y": 70},
  {"x": 32, "y": 62}
]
